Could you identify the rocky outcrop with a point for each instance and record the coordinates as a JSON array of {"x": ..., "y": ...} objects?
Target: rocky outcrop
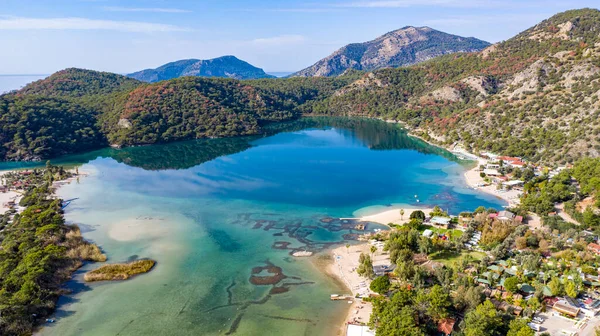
[
  {"x": 445, "y": 93},
  {"x": 401, "y": 47}
]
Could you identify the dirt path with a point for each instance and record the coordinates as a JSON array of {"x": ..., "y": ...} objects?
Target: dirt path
[{"x": 560, "y": 210}]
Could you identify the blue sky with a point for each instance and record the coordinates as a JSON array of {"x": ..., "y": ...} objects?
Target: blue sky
[{"x": 124, "y": 36}]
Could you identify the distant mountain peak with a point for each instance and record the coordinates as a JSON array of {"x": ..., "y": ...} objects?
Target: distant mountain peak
[
  {"x": 227, "y": 66},
  {"x": 405, "y": 46}
]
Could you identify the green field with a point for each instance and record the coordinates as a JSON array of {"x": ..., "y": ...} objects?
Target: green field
[
  {"x": 453, "y": 232},
  {"x": 450, "y": 258}
]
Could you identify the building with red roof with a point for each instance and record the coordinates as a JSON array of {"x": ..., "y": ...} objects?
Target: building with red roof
[
  {"x": 593, "y": 247},
  {"x": 446, "y": 326}
]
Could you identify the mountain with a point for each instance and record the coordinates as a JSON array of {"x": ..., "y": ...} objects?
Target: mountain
[
  {"x": 226, "y": 67},
  {"x": 405, "y": 46},
  {"x": 75, "y": 82},
  {"x": 77, "y": 110},
  {"x": 536, "y": 95}
]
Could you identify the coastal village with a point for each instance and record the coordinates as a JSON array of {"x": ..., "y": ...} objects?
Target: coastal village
[{"x": 539, "y": 270}]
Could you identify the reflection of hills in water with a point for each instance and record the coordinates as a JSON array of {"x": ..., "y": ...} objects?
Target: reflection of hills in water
[
  {"x": 374, "y": 134},
  {"x": 179, "y": 155}
]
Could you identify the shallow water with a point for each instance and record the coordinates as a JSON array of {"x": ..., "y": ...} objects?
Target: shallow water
[{"x": 222, "y": 227}]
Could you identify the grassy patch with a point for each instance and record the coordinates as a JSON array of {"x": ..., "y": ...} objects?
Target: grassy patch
[
  {"x": 119, "y": 271},
  {"x": 455, "y": 233},
  {"x": 449, "y": 258}
]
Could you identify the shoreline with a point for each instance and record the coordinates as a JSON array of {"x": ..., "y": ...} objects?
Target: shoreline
[
  {"x": 341, "y": 268},
  {"x": 392, "y": 215},
  {"x": 476, "y": 182},
  {"x": 471, "y": 176}
]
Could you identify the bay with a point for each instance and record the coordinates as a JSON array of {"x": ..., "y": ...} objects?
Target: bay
[{"x": 221, "y": 217}]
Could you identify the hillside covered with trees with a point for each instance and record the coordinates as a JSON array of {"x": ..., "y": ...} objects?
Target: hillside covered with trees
[{"x": 535, "y": 96}]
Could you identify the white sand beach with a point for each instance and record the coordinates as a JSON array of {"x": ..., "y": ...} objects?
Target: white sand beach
[
  {"x": 393, "y": 216},
  {"x": 344, "y": 268},
  {"x": 7, "y": 197},
  {"x": 475, "y": 181}
]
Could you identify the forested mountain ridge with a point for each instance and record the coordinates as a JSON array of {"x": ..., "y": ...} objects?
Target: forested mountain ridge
[
  {"x": 535, "y": 95},
  {"x": 192, "y": 108},
  {"x": 34, "y": 128},
  {"x": 405, "y": 46},
  {"x": 78, "y": 110},
  {"x": 75, "y": 82},
  {"x": 225, "y": 67}
]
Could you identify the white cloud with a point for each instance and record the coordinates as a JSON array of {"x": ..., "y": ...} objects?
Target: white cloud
[
  {"x": 148, "y": 10},
  {"x": 279, "y": 40},
  {"x": 75, "y": 23}
]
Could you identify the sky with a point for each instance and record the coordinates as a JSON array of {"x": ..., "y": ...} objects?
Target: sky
[{"x": 44, "y": 36}]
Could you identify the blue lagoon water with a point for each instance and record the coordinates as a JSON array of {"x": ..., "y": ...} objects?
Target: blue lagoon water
[{"x": 221, "y": 217}]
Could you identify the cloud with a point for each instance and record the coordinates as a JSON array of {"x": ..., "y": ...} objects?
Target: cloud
[
  {"x": 279, "y": 40},
  {"x": 147, "y": 10},
  {"x": 75, "y": 23}
]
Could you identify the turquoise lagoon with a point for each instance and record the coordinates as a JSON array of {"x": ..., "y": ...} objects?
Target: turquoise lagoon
[{"x": 222, "y": 216}]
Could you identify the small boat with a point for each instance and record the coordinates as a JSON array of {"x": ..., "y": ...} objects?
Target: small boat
[
  {"x": 418, "y": 201},
  {"x": 415, "y": 196}
]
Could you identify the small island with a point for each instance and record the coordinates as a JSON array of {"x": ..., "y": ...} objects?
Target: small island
[{"x": 122, "y": 271}]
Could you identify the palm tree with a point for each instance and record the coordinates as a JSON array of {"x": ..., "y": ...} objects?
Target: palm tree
[
  {"x": 348, "y": 248},
  {"x": 373, "y": 250},
  {"x": 401, "y": 213}
]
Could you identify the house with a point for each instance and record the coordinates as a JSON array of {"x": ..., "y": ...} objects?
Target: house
[
  {"x": 446, "y": 326},
  {"x": 527, "y": 289},
  {"x": 357, "y": 330},
  {"x": 505, "y": 215},
  {"x": 491, "y": 172},
  {"x": 564, "y": 307},
  {"x": 441, "y": 221},
  {"x": 593, "y": 247},
  {"x": 381, "y": 270},
  {"x": 427, "y": 233},
  {"x": 517, "y": 164},
  {"x": 513, "y": 184}
]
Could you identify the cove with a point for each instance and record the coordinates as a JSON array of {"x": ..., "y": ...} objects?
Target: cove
[{"x": 221, "y": 217}]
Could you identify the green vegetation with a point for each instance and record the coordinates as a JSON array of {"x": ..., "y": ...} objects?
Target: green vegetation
[
  {"x": 38, "y": 253},
  {"x": 120, "y": 271},
  {"x": 442, "y": 279},
  {"x": 381, "y": 284},
  {"x": 410, "y": 312},
  {"x": 34, "y": 128},
  {"x": 451, "y": 259},
  {"x": 531, "y": 96},
  {"x": 192, "y": 108},
  {"x": 74, "y": 82},
  {"x": 572, "y": 187},
  {"x": 485, "y": 99},
  {"x": 365, "y": 265}
]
